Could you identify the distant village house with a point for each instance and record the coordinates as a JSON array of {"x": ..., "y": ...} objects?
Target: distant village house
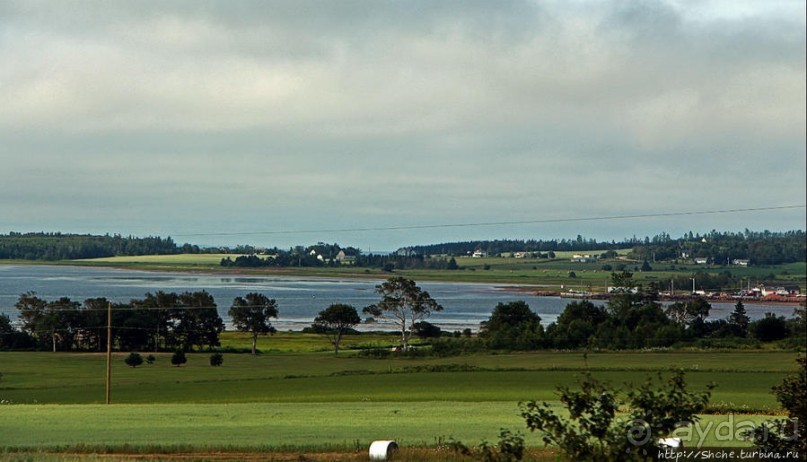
[{"x": 582, "y": 258}]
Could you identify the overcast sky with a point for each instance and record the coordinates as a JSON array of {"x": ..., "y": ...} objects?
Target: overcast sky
[{"x": 208, "y": 117}]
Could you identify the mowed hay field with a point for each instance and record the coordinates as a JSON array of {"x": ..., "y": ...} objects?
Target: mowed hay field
[{"x": 314, "y": 401}]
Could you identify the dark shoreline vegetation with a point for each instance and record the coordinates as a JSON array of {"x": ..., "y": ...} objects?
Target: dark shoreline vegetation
[{"x": 633, "y": 318}]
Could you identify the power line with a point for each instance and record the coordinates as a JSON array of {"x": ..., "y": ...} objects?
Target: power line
[{"x": 497, "y": 223}]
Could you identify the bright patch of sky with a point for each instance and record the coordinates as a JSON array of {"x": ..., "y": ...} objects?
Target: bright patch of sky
[{"x": 214, "y": 117}]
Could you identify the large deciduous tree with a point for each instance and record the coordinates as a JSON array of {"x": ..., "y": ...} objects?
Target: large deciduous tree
[
  {"x": 335, "y": 321},
  {"x": 403, "y": 303},
  {"x": 31, "y": 312},
  {"x": 513, "y": 325},
  {"x": 252, "y": 314},
  {"x": 200, "y": 324}
]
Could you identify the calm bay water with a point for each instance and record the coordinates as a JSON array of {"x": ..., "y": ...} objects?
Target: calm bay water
[{"x": 299, "y": 298}]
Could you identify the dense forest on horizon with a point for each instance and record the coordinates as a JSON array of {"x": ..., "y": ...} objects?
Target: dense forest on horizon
[
  {"x": 59, "y": 246},
  {"x": 759, "y": 248}
]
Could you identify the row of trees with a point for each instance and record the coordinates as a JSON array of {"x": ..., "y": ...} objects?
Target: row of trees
[
  {"x": 496, "y": 247},
  {"x": 292, "y": 258},
  {"x": 631, "y": 319},
  {"x": 166, "y": 321},
  {"x": 163, "y": 321},
  {"x": 157, "y": 322},
  {"x": 58, "y": 246},
  {"x": 760, "y": 248}
]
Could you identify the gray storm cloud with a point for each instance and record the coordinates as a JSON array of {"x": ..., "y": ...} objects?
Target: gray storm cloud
[{"x": 172, "y": 117}]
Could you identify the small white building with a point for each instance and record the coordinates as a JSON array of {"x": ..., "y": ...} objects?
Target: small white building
[
  {"x": 479, "y": 254},
  {"x": 739, "y": 262},
  {"x": 342, "y": 257},
  {"x": 582, "y": 258}
]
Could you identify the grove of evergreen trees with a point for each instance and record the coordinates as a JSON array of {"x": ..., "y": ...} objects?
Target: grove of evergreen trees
[{"x": 58, "y": 246}]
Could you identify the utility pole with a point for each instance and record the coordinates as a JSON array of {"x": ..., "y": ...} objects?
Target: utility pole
[{"x": 108, "y": 352}]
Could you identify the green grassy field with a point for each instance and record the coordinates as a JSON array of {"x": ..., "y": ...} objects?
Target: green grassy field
[
  {"x": 284, "y": 342},
  {"x": 267, "y": 426},
  {"x": 317, "y": 401},
  {"x": 298, "y": 397},
  {"x": 548, "y": 274},
  {"x": 743, "y": 378}
]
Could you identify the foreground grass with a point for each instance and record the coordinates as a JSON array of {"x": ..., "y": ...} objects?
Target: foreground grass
[
  {"x": 273, "y": 427},
  {"x": 287, "y": 404},
  {"x": 743, "y": 379},
  {"x": 253, "y": 426},
  {"x": 298, "y": 342},
  {"x": 417, "y": 454}
]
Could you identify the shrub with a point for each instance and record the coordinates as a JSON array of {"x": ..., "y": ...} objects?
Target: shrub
[
  {"x": 425, "y": 329},
  {"x": 321, "y": 330},
  {"x": 133, "y": 360},
  {"x": 770, "y": 328},
  {"x": 377, "y": 353},
  {"x": 594, "y": 432},
  {"x": 216, "y": 359},
  {"x": 178, "y": 358},
  {"x": 786, "y": 435},
  {"x": 150, "y": 359},
  {"x": 509, "y": 449},
  {"x": 456, "y": 347}
]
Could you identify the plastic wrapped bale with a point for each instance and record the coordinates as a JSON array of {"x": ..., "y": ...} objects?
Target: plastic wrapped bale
[
  {"x": 672, "y": 443},
  {"x": 382, "y": 449}
]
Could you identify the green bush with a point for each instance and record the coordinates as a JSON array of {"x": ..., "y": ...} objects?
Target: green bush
[
  {"x": 769, "y": 328},
  {"x": 133, "y": 360},
  {"x": 178, "y": 358},
  {"x": 595, "y": 431},
  {"x": 376, "y": 353},
  {"x": 786, "y": 435},
  {"x": 457, "y": 346},
  {"x": 509, "y": 449}
]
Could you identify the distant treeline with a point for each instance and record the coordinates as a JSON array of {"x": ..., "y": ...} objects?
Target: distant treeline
[
  {"x": 760, "y": 248},
  {"x": 281, "y": 259},
  {"x": 496, "y": 247},
  {"x": 58, "y": 246}
]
